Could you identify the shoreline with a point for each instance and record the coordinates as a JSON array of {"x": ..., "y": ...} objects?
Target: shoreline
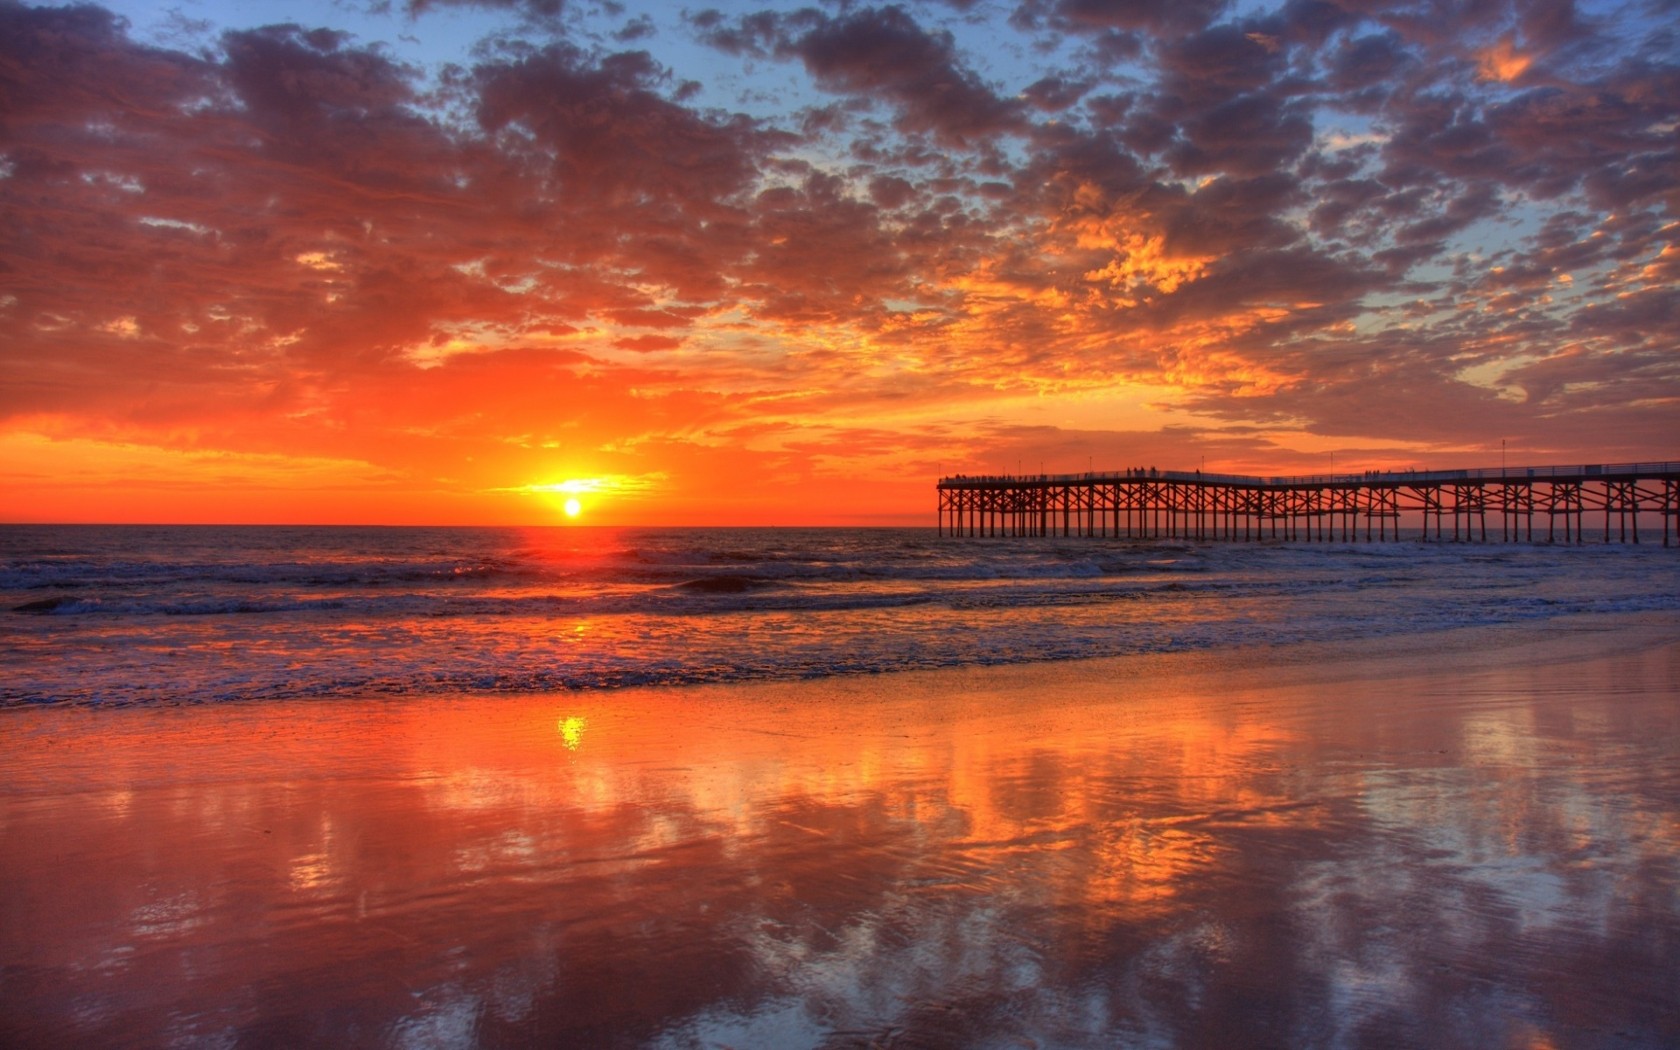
[
  {"x": 68, "y": 749},
  {"x": 1572, "y": 637},
  {"x": 1568, "y": 638}
]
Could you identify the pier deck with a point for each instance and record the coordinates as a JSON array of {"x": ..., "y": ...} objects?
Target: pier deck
[{"x": 1528, "y": 504}]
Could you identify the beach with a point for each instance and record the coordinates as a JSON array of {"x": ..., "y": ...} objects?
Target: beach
[{"x": 1466, "y": 837}]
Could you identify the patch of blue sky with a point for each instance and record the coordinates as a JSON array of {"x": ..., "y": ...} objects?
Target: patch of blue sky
[
  {"x": 1337, "y": 130},
  {"x": 1003, "y": 58},
  {"x": 429, "y": 41}
]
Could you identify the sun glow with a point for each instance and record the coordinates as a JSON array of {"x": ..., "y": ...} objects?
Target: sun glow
[
  {"x": 571, "y": 506},
  {"x": 610, "y": 491}
]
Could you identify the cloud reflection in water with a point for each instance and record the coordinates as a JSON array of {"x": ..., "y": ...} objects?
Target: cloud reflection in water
[{"x": 1191, "y": 861}]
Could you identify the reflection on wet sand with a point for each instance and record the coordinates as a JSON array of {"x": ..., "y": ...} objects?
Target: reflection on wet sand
[{"x": 1152, "y": 857}]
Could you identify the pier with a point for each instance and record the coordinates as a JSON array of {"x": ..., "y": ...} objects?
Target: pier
[{"x": 1508, "y": 504}]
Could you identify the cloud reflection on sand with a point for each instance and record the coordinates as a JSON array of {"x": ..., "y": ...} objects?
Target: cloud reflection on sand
[{"x": 1190, "y": 861}]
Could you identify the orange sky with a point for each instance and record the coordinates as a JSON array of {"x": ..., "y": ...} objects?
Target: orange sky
[{"x": 789, "y": 265}]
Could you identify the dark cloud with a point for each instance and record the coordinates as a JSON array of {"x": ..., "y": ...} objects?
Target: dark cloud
[
  {"x": 608, "y": 138},
  {"x": 1561, "y": 136},
  {"x": 1217, "y": 64},
  {"x": 1309, "y": 23},
  {"x": 756, "y": 34},
  {"x": 62, "y": 64},
  {"x": 890, "y": 191},
  {"x": 1366, "y": 68},
  {"x": 313, "y": 100},
  {"x": 1549, "y": 25},
  {"x": 1229, "y": 216},
  {"x": 536, "y": 10},
  {"x": 1343, "y": 207},
  {"x": 1054, "y": 94},
  {"x": 884, "y": 52},
  {"x": 639, "y": 28},
  {"x": 1247, "y": 135}
]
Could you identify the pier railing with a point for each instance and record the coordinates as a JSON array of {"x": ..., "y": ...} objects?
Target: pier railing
[{"x": 1150, "y": 503}]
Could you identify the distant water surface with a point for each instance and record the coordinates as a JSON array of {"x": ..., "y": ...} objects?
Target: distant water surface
[{"x": 122, "y": 615}]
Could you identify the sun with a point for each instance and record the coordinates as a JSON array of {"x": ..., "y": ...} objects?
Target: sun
[{"x": 572, "y": 507}]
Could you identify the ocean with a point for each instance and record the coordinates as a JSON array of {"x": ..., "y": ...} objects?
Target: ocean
[
  {"x": 127, "y": 615},
  {"x": 406, "y": 788}
]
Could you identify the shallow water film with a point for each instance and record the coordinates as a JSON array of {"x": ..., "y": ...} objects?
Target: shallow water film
[{"x": 1133, "y": 853}]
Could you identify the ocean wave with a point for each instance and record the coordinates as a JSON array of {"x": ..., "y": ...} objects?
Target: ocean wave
[
  {"x": 69, "y": 606},
  {"x": 729, "y": 583},
  {"x": 61, "y": 605},
  {"x": 159, "y": 615},
  {"x": 93, "y": 575},
  {"x": 672, "y": 654}
]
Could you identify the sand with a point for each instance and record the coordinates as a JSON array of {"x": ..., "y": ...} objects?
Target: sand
[{"x": 1463, "y": 839}]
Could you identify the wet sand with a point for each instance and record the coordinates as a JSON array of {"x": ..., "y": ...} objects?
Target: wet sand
[{"x": 1468, "y": 839}]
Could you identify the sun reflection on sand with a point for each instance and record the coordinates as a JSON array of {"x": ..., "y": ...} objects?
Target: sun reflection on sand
[{"x": 571, "y": 731}]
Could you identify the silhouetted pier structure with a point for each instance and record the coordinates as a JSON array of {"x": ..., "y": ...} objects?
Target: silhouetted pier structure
[{"x": 1549, "y": 504}]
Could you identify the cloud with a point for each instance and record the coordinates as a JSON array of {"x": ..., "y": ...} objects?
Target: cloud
[
  {"x": 883, "y": 52},
  {"x": 1247, "y": 135},
  {"x": 1053, "y": 94},
  {"x": 535, "y": 10}
]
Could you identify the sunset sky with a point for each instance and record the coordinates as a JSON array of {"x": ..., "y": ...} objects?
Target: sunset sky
[{"x": 447, "y": 262}]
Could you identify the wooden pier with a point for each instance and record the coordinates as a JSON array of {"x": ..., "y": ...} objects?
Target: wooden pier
[{"x": 1526, "y": 505}]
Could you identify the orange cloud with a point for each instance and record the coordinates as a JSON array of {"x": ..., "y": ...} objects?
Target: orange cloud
[{"x": 1502, "y": 62}]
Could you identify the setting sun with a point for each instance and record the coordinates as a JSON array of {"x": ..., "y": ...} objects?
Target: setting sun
[{"x": 572, "y": 507}]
